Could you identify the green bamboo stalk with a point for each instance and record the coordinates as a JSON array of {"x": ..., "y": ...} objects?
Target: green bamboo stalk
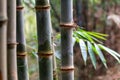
[
  {"x": 21, "y": 49},
  {"x": 66, "y": 23},
  {"x": 3, "y": 27},
  {"x": 44, "y": 39},
  {"x": 11, "y": 40},
  {"x": 55, "y": 75}
]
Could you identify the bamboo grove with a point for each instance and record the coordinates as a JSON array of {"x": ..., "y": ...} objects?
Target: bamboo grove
[{"x": 13, "y": 52}]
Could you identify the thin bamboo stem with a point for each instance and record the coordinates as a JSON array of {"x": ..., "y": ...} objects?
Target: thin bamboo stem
[
  {"x": 3, "y": 27},
  {"x": 11, "y": 40},
  {"x": 55, "y": 75},
  {"x": 85, "y": 13},
  {"x": 79, "y": 12}
]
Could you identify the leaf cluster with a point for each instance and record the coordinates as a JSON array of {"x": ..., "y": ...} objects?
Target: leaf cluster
[{"x": 92, "y": 43}]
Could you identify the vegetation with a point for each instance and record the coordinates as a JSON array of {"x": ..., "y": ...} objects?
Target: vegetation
[
  {"x": 78, "y": 20},
  {"x": 90, "y": 42}
]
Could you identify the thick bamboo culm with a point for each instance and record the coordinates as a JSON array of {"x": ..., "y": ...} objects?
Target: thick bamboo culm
[
  {"x": 67, "y": 24},
  {"x": 44, "y": 39},
  {"x": 11, "y": 40},
  {"x": 21, "y": 50},
  {"x": 3, "y": 44}
]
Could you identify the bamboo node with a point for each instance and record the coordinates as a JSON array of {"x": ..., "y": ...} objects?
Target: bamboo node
[
  {"x": 38, "y": 8},
  {"x": 2, "y": 20},
  {"x": 45, "y": 54},
  {"x": 19, "y": 8},
  {"x": 20, "y": 54},
  {"x": 68, "y": 25},
  {"x": 67, "y": 68},
  {"x": 11, "y": 44}
]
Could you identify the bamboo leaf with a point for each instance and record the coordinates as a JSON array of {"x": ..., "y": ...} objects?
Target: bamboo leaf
[
  {"x": 92, "y": 56},
  {"x": 113, "y": 53},
  {"x": 83, "y": 50},
  {"x": 81, "y": 35},
  {"x": 100, "y": 54},
  {"x": 110, "y": 50},
  {"x": 96, "y": 40},
  {"x": 88, "y": 37},
  {"x": 97, "y": 36},
  {"x": 100, "y": 34},
  {"x": 73, "y": 41}
]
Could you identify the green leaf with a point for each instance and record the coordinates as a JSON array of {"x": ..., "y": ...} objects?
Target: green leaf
[
  {"x": 88, "y": 37},
  {"x": 73, "y": 41},
  {"x": 58, "y": 36},
  {"x": 100, "y": 34},
  {"x": 97, "y": 36},
  {"x": 83, "y": 50},
  {"x": 97, "y": 40},
  {"x": 80, "y": 35},
  {"x": 113, "y": 53},
  {"x": 91, "y": 53},
  {"x": 100, "y": 54}
]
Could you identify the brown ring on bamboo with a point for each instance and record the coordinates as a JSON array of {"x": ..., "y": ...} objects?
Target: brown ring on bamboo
[
  {"x": 42, "y": 7},
  {"x": 19, "y": 8},
  {"x": 11, "y": 44},
  {"x": 67, "y": 68},
  {"x": 45, "y": 54},
  {"x": 68, "y": 25},
  {"x": 3, "y": 20},
  {"x": 21, "y": 54}
]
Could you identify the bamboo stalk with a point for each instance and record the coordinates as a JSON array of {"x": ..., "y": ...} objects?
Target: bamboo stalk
[
  {"x": 44, "y": 39},
  {"x": 55, "y": 75},
  {"x": 79, "y": 12},
  {"x": 11, "y": 40},
  {"x": 3, "y": 27},
  {"x": 85, "y": 13},
  {"x": 67, "y": 68},
  {"x": 21, "y": 49}
]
